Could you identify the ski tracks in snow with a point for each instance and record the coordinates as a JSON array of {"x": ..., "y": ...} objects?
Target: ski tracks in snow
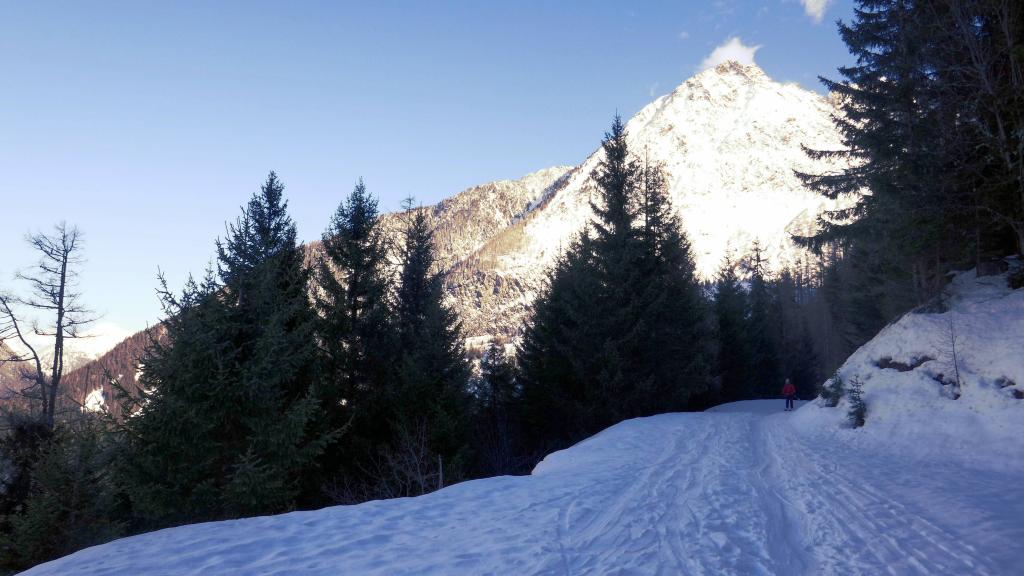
[
  {"x": 736, "y": 493},
  {"x": 697, "y": 508},
  {"x": 863, "y": 513},
  {"x": 697, "y": 494}
]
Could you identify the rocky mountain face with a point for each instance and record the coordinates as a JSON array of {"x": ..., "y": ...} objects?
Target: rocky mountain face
[
  {"x": 467, "y": 221},
  {"x": 730, "y": 139}
]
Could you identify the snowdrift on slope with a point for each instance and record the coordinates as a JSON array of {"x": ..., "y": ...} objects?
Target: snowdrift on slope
[{"x": 909, "y": 377}]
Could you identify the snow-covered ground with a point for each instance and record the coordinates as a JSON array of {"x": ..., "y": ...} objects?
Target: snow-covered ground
[
  {"x": 930, "y": 485},
  {"x": 915, "y": 407},
  {"x": 739, "y": 490}
]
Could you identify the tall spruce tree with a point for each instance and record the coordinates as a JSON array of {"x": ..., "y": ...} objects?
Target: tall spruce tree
[
  {"x": 673, "y": 330},
  {"x": 556, "y": 355},
  {"x": 909, "y": 225},
  {"x": 762, "y": 325},
  {"x": 732, "y": 335},
  {"x": 223, "y": 427},
  {"x": 355, "y": 333},
  {"x": 430, "y": 395},
  {"x": 620, "y": 330}
]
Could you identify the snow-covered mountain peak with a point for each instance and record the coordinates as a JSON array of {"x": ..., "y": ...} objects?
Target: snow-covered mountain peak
[
  {"x": 729, "y": 71},
  {"x": 730, "y": 139}
]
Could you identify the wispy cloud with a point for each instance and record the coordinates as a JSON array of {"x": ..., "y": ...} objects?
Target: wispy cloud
[
  {"x": 815, "y": 8},
  {"x": 731, "y": 49},
  {"x": 684, "y": 35}
]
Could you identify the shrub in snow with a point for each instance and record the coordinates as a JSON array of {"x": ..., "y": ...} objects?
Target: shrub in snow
[
  {"x": 832, "y": 390},
  {"x": 858, "y": 409},
  {"x": 1015, "y": 279}
]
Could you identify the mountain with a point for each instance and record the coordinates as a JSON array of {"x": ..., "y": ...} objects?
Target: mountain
[
  {"x": 730, "y": 139},
  {"x": 80, "y": 355},
  {"x": 467, "y": 221}
]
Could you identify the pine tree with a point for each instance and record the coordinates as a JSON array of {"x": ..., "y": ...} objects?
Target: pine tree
[
  {"x": 762, "y": 324},
  {"x": 497, "y": 430},
  {"x": 556, "y": 356},
  {"x": 732, "y": 335},
  {"x": 909, "y": 225},
  {"x": 223, "y": 425},
  {"x": 355, "y": 332},
  {"x": 673, "y": 330},
  {"x": 71, "y": 502},
  {"x": 353, "y": 302},
  {"x": 620, "y": 330},
  {"x": 832, "y": 390},
  {"x": 858, "y": 409},
  {"x": 430, "y": 393}
]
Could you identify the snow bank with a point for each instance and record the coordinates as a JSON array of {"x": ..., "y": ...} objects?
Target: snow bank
[
  {"x": 735, "y": 491},
  {"x": 914, "y": 406},
  {"x": 556, "y": 520},
  {"x": 754, "y": 406}
]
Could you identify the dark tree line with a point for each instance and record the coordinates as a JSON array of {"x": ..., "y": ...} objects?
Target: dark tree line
[
  {"x": 271, "y": 385},
  {"x": 770, "y": 327},
  {"x": 932, "y": 116}
]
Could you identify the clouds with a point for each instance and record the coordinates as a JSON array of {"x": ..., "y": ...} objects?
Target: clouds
[
  {"x": 732, "y": 49},
  {"x": 815, "y": 8}
]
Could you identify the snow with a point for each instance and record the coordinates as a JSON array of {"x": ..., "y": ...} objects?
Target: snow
[
  {"x": 751, "y": 406},
  {"x": 730, "y": 139},
  {"x": 736, "y": 490},
  {"x": 930, "y": 485},
  {"x": 94, "y": 401},
  {"x": 910, "y": 412}
]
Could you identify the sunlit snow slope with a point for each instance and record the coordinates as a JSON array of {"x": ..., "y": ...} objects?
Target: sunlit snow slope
[
  {"x": 731, "y": 140},
  {"x": 735, "y": 491}
]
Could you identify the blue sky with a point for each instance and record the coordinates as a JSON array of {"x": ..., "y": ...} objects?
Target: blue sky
[{"x": 148, "y": 124}]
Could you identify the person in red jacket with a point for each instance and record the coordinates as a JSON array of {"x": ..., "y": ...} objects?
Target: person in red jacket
[{"x": 789, "y": 392}]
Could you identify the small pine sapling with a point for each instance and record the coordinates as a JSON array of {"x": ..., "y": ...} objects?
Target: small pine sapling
[
  {"x": 858, "y": 409},
  {"x": 832, "y": 390},
  {"x": 958, "y": 384}
]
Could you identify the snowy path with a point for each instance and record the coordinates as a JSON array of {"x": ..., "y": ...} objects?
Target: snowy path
[{"x": 713, "y": 493}]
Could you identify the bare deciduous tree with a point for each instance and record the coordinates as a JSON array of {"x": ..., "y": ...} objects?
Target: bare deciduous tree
[{"x": 53, "y": 296}]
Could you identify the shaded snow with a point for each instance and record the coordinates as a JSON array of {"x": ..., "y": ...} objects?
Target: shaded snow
[
  {"x": 913, "y": 411},
  {"x": 753, "y": 406},
  {"x": 928, "y": 486},
  {"x": 736, "y": 491}
]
